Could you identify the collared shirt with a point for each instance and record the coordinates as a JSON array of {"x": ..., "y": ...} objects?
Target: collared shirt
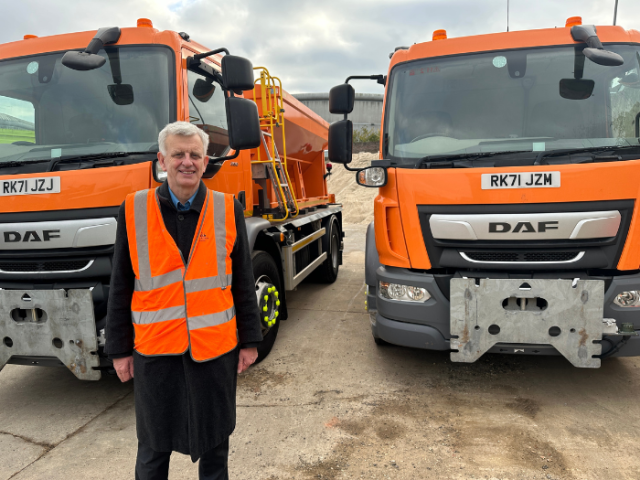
[{"x": 180, "y": 207}]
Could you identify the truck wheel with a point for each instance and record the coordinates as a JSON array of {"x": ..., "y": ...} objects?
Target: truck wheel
[
  {"x": 328, "y": 271},
  {"x": 268, "y": 287}
]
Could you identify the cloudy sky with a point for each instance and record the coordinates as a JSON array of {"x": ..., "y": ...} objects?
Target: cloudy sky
[{"x": 310, "y": 45}]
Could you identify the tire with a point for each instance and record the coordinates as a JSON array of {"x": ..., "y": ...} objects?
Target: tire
[
  {"x": 328, "y": 271},
  {"x": 265, "y": 273}
]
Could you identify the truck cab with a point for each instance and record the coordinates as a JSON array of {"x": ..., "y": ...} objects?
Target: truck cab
[
  {"x": 507, "y": 214},
  {"x": 80, "y": 115}
]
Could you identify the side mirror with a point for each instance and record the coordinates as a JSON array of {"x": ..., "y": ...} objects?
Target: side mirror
[
  {"x": 88, "y": 60},
  {"x": 341, "y": 141},
  {"x": 203, "y": 90},
  {"x": 82, "y": 61},
  {"x": 603, "y": 57},
  {"x": 576, "y": 89},
  {"x": 121, "y": 94},
  {"x": 372, "y": 177},
  {"x": 243, "y": 123},
  {"x": 341, "y": 99},
  {"x": 595, "y": 51},
  {"x": 237, "y": 73}
]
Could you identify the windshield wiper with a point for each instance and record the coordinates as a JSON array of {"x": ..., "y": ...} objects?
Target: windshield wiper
[
  {"x": 95, "y": 158},
  {"x": 20, "y": 164},
  {"x": 586, "y": 155},
  {"x": 448, "y": 161}
]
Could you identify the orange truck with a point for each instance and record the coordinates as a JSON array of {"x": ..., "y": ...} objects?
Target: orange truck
[
  {"x": 508, "y": 214},
  {"x": 79, "y": 120}
]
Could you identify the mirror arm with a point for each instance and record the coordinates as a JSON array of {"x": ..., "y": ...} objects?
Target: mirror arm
[
  {"x": 228, "y": 157},
  {"x": 350, "y": 169},
  {"x": 379, "y": 78},
  {"x": 586, "y": 34},
  {"x": 195, "y": 65},
  {"x": 200, "y": 56},
  {"x": 204, "y": 69},
  {"x": 114, "y": 63},
  {"x": 104, "y": 36},
  {"x": 578, "y": 65}
]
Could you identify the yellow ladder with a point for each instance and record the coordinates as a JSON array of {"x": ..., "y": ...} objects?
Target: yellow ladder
[{"x": 273, "y": 117}]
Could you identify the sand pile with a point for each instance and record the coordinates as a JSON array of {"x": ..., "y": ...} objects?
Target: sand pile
[{"x": 357, "y": 201}]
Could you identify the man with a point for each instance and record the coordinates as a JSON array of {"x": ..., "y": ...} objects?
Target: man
[{"x": 173, "y": 321}]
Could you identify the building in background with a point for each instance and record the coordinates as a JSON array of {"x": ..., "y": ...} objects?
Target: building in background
[{"x": 367, "y": 110}]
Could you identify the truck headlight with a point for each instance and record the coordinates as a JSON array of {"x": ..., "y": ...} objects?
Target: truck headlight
[
  {"x": 416, "y": 293},
  {"x": 403, "y": 293},
  {"x": 630, "y": 298},
  {"x": 372, "y": 177}
]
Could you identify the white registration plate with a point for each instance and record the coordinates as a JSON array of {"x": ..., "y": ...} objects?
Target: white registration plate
[
  {"x": 29, "y": 186},
  {"x": 521, "y": 180}
]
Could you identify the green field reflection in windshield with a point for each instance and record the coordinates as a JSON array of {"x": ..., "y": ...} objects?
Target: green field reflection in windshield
[{"x": 48, "y": 110}]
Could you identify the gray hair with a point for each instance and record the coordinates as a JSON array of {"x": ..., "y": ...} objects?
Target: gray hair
[{"x": 184, "y": 129}]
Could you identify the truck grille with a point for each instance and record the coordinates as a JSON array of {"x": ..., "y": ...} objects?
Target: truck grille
[
  {"x": 515, "y": 254},
  {"x": 493, "y": 256},
  {"x": 522, "y": 257},
  {"x": 550, "y": 256},
  {"x": 45, "y": 266}
]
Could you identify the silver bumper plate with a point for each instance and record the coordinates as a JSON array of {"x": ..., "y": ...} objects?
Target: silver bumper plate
[
  {"x": 50, "y": 323},
  {"x": 565, "y": 314}
]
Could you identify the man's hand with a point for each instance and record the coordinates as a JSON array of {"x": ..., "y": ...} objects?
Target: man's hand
[
  {"x": 124, "y": 368},
  {"x": 247, "y": 357}
]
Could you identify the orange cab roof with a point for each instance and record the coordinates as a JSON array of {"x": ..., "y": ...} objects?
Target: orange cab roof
[
  {"x": 79, "y": 40},
  {"x": 508, "y": 40}
]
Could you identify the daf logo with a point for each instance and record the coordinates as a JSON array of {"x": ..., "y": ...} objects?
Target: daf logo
[
  {"x": 522, "y": 227},
  {"x": 31, "y": 236}
]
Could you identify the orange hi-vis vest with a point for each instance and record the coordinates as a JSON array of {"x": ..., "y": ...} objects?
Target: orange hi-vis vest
[{"x": 177, "y": 304}]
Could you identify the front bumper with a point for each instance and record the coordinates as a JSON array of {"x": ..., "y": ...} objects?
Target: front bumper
[
  {"x": 50, "y": 324},
  {"x": 427, "y": 325}
]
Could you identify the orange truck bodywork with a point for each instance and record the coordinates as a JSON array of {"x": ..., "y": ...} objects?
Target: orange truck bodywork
[
  {"x": 306, "y": 135},
  {"x": 400, "y": 238},
  {"x": 603, "y": 182},
  {"x": 287, "y": 243}
]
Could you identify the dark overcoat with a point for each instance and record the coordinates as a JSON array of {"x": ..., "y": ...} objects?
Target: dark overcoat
[{"x": 182, "y": 405}]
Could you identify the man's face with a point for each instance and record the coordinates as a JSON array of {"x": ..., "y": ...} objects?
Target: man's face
[{"x": 185, "y": 161}]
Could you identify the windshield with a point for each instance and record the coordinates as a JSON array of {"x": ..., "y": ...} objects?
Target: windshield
[
  {"x": 537, "y": 100},
  {"x": 49, "y": 111}
]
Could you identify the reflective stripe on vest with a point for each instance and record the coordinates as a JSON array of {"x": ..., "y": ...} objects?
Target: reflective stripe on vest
[{"x": 177, "y": 304}]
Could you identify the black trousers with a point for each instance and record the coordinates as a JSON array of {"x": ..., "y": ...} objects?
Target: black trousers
[{"x": 152, "y": 465}]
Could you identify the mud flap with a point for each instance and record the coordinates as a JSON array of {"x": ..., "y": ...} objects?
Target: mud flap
[
  {"x": 563, "y": 313},
  {"x": 50, "y": 323}
]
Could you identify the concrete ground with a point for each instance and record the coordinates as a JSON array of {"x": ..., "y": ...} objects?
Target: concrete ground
[{"x": 329, "y": 404}]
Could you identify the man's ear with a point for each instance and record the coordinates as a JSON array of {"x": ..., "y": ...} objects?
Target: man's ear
[
  {"x": 161, "y": 161},
  {"x": 206, "y": 161}
]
